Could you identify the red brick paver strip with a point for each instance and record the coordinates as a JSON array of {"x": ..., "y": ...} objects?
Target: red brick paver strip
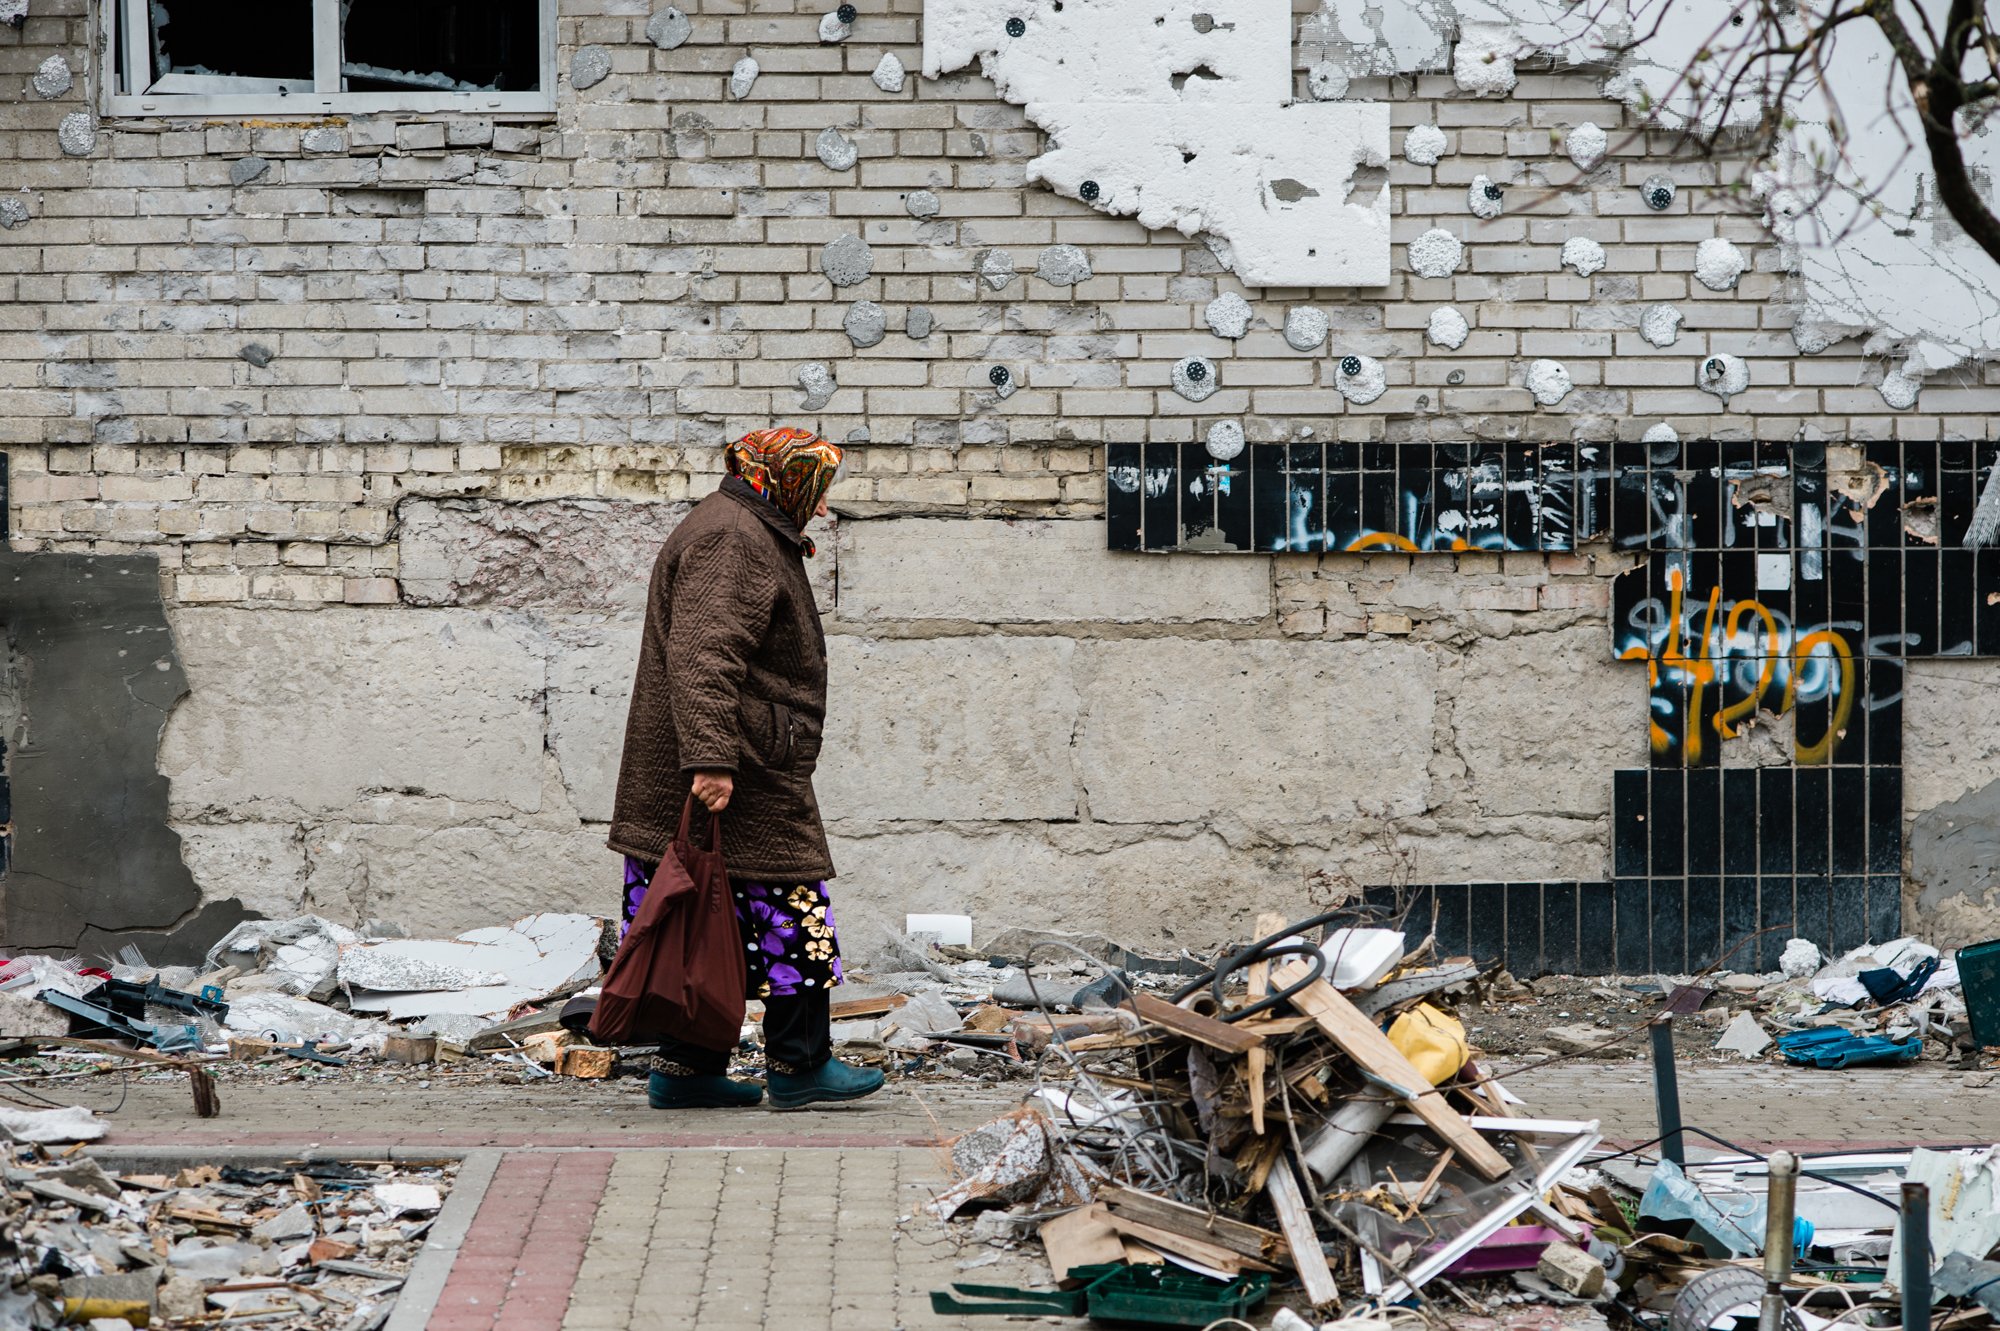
[{"x": 517, "y": 1264}]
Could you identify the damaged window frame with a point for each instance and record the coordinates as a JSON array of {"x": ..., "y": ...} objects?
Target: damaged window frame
[{"x": 182, "y": 93}]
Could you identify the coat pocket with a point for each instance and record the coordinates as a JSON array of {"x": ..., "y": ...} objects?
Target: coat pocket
[{"x": 769, "y": 729}]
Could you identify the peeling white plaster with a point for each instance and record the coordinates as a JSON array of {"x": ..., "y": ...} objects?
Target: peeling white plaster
[
  {"x": 1447, "y": 328},
  {"x": 1548, "y": 380},
  {"x": 1660, "y": 433},
  {"x": 1155, "y": 109},
  {"x": 1583, "y": 254},
  {"x": 889, "y": 74},
  {"x": 1225, "y": 440},
  {"x": 1366, "y": 37},
  {"x": 836, "y": 151},
  {"x": 1305, "y": 328},
  {"x": 1228, "y": 315},
  {"x": 1194, "y": 378},
  {"x": 1722, "y": 374},
  {"x": 742, "y": 76},
  {"x": 1360, "y": 379},
  {"x": 1484, "y": 198},
  {"x": 1660, "y": 325},
  {"x": 1586, "y": 145},
  {"x": 1436, "y": 253},
  {"x": 1718, "y": 263},
  {"x": 1423, "y": 145}
]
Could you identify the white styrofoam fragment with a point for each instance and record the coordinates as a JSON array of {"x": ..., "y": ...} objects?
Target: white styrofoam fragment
[
  {"x": 1155, "y": 110},
  {"x": 1660, "y": 325},
  {"x": 1483, "y": 60},
  {"x": 1194, "y": 378},
  {"x": 1063, "y": 266},
  {"x": 77, "y": 134},
  {"x": 590, "y": 66},
  {"x": 1360, "y": 379},
  {"x": 1583, "y": 254},
  {"x": 1484, "y": 198},
  {"x": 889, "y": 73},
  {"x": 1548, "y": 381},
  {"x": 1423, "y": 145},
  {"x": 1722, "y": 374},
  {"x": 1447, "y": 328},
  {"x": 1436, "y": 253},
  {"x": 1586, "y": 145},
  {"x": 832, "y": 28},
  {"x": 1228, "y": 315},
  {"x": 1305, "y": 328},
  {"x": 52, "y": 78},
  {"x": 1225, "y": 440},
  {"x": 1660, "y": 433},
  {"x": 922, "y": 204},
  {"x": 1718, "y": 263},
  {"x": 865, "y": 323},
  {"x": 742, "y": 76},
  {"x": 846, "y": 260}
]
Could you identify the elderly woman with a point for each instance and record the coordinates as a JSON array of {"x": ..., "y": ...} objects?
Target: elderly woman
[{"x": 728, "y": 703}]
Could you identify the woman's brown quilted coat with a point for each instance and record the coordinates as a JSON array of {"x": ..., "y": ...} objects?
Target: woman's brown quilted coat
[{"x": 732, "y": 677}]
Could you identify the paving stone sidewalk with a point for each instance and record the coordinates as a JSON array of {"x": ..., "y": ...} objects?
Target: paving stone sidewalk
[{"x": 604, "y": 1214}]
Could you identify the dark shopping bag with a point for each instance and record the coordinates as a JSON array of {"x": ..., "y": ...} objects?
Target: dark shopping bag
[{"x": 680, "y": 967}]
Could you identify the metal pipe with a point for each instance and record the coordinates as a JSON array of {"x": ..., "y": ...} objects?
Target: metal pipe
[
  {"x": 1667, "y": 1092},
  {"x": 1916, "y": 1245},
  {"x": 1780, "y": 1208}
]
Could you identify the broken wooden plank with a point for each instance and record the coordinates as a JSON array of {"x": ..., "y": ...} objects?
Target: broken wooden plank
[
  {"x": 1268, "y": 923},
  {"x": 1211, "y": 1255},
  {"x": 1174, "y": 1217},
  {"x": 1365, "y": 1043},
  {"x": 1083, "y": 1237},
  {"x": 1193, "y": 1026},
  {"x": 1308, "y": 1258}
]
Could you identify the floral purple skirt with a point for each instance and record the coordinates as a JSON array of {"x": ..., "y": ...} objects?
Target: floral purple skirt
[{"x": 787, "y": 928}]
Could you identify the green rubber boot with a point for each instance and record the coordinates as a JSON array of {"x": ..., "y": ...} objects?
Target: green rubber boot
[
  {"x": 664, "y": 1091},
  {"x": 830, "y": 1082}
]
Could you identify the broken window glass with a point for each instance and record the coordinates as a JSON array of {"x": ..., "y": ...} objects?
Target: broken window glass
[
  {"x": 231, "y": 45},
  {"x": 446, "y": 45}
]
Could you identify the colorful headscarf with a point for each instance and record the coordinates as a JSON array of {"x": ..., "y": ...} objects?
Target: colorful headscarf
[{"x": 792, "y": 468}]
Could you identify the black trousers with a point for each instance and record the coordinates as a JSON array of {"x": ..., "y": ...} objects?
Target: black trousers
[{"x": 798, "y": 1037}]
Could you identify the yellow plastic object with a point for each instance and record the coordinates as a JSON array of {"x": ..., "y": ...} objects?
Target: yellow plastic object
[
  {"x": 1433, "y": 1041},
  {"x": 79, "y": 1311}
]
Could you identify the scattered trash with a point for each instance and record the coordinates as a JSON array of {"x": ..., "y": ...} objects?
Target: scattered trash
[{"x": 204, "y": 1246}]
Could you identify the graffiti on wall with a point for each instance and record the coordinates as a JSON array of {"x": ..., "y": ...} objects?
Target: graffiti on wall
[{"x": 1780, "y": 589}]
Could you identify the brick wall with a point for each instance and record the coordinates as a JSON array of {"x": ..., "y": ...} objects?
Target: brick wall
[{"x": 564, "y": 316}]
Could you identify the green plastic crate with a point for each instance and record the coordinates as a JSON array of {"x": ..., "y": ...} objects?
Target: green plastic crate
[
  {"x": 1169, "y": 1296},
  {"x": 1979, "y": 977}
]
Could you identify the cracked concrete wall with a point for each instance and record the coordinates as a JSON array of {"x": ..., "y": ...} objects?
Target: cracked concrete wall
[{"x": 403, "y": 414}]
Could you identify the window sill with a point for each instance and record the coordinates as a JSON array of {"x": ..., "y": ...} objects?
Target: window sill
[{"x": 313, "y": 105}]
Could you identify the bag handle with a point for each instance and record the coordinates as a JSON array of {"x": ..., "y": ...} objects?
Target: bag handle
[{"x": 714, "y": 838}]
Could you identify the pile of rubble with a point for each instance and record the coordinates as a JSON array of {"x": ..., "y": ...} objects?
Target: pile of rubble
[
  {"x": 1309, "y": 1113},
  {"x": 321, "y": 1245}
]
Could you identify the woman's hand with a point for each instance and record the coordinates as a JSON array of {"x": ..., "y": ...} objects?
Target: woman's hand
[{"x": 713, "y": 789}]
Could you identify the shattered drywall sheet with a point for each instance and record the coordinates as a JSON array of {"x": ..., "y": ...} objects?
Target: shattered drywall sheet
[
  {"x": 93, "y": 676},
  {"x": 1782, "y": 590},
  {"x": 1180, "y": 113}
]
